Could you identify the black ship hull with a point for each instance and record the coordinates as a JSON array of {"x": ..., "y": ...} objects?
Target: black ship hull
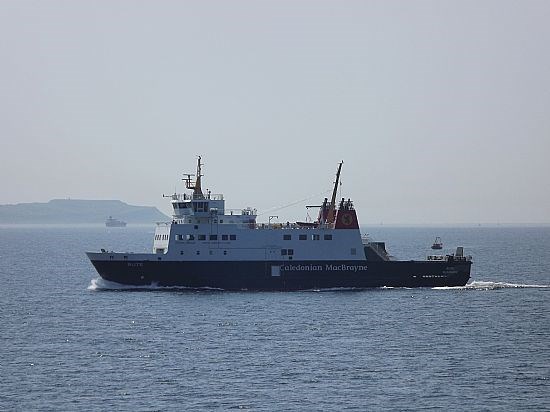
[{"x": 284, "y": 276}]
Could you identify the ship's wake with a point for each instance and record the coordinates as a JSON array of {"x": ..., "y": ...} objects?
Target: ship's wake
[
  {"x": 100, "y": 284},
  {"x": 486, "y": 285}
]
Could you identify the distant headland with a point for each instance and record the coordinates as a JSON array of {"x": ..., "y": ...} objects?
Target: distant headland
[{"x": 67, "y": 211}]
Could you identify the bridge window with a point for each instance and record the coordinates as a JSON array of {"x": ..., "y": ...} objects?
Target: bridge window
[
  {"x": 190, "y": 237},
  {"x": 303, "y": 237},
  {"x": 213, "y": 237},
  {"x": 225, "y": 237},
  {"x": 200, "y": 206},
  {"x": 232, "y": 237},
  {"x": 202, "y": 237},
  {"x": 315, "y": 237},
  {"x": 287, "y": 237},
  {"x": 328, "y": 237}
]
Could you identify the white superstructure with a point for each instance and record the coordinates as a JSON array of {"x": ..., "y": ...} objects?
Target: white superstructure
[{"x": 202, "y": 229}]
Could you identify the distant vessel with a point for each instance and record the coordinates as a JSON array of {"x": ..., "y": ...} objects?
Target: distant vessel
[
  {"x": 437, "y": 243},
  {"x": 206, "y": 246},
  {"x": 112, "y": 222}
]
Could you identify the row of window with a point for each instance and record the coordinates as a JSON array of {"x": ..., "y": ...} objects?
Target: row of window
[
  {"x": 234, "y": 237},
  {"x": 204, "y": 237},
  {"x": 211, "y": 252},
  {"x": 304, "y": 237}
]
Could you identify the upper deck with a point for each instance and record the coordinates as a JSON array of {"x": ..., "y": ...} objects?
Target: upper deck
[{"x": 200, "y": 208}]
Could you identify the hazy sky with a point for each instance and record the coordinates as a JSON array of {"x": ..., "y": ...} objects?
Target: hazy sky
[{"x": 439, "y": 109}]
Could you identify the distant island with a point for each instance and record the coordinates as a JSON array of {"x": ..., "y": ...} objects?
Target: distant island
[{"x": 68, "y": 211}]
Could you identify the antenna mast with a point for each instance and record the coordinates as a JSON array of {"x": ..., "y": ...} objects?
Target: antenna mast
[
  {"x": 196, "y": 185},
  {"x": 198, "y": 188},
  {"x": 330, "y": 216}
]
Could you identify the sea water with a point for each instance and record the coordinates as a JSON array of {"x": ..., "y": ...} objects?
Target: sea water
[{"x": 70, "y": 341}]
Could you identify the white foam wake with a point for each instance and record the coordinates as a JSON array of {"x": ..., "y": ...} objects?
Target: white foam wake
[
  {"x": 484, "y": 285},
  {"x": 99, "y": 284},
  {"x": 102, "y": 284}
]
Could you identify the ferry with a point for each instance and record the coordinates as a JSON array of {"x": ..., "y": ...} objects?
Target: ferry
[
  {"x": 112, "y": 222},
  {"x": 206, "y": 246}
]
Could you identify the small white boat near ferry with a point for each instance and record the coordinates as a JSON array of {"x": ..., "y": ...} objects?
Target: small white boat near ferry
[{"x": 437, "y": 244}]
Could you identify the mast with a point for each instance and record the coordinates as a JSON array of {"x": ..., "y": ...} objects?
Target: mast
[
  {"x": 330, "y": 216},
  {"x": 196, "y": 185},
  {"x": 198, "y": 190}
]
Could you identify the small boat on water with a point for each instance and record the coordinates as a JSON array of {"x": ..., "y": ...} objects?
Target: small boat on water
[
  {"x": 112, "y": 222},
  {"x": 437, "y": 243}
]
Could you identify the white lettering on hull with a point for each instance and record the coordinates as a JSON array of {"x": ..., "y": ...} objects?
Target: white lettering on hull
[{"x": 324, "y": 268}]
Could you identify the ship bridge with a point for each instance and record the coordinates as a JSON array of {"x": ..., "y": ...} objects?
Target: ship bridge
[
  {"x": 199, "y": 207},
  {"x": 186, "y": 205},
  {"x": 198, "y": 204}
]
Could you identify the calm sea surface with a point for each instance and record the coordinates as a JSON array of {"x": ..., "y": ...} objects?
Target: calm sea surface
[{"x": 69, "y": 341}]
